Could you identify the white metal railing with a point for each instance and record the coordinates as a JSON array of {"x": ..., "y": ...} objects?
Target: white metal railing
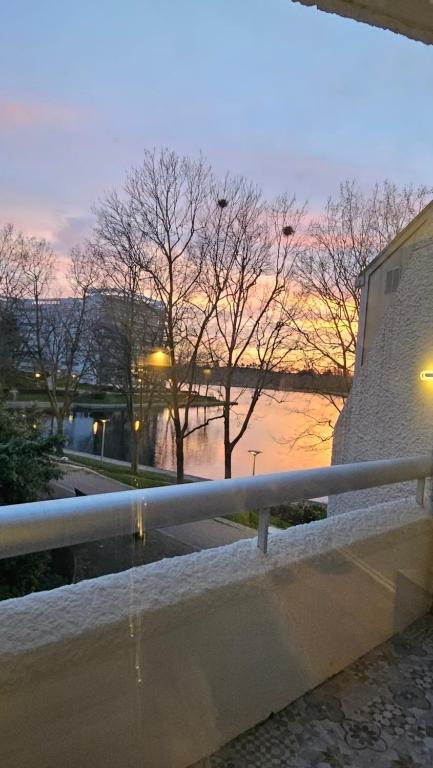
[{"x": 41, "y": 525}]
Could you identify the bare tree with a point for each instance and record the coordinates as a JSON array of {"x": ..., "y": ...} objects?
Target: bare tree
[
  {"x": 251, "y": 312},
  {"x": 54, "y": 329},
  {"x": 125, "y": 331},
  {"x": 12, "y": 250},
  {"x": 354, "y": 228},
  {"x": 173, "y": 205},
  {"x": 12, "y": 247}
]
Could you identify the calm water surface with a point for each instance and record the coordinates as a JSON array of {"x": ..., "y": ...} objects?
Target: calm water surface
[{"x": 272, "y": 430}]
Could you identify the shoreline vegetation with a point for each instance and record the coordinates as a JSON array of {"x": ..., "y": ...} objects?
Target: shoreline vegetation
[
  {"x": 121, "y": 471},
  {"x": 28, "y": 394},
  {"x": 97, "y": 400}
]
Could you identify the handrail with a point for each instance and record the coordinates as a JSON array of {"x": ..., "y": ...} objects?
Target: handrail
[{"x": 41, "y": 525}]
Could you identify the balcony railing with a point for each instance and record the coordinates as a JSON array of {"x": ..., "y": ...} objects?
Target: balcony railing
[
  {"x": 166, "y": 663},
  {"x": 42, "y": 525}
]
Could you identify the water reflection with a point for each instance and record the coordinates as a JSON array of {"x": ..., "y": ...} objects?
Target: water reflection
[{"x": 272, "y": 430}]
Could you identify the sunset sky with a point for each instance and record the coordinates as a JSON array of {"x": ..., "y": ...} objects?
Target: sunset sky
[{"x": 293, "y": 98}]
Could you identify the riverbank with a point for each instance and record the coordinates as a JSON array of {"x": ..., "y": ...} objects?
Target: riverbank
[
  {"x": 39, "y": 402},
  {"x": 145, "y": 477}
]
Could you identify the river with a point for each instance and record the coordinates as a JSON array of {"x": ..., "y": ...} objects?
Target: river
[{"x": 276, "y": 423}]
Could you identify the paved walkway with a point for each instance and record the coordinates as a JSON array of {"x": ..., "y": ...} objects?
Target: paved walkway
[
  {"x": 120, "y": 553},
  {"x": 378, "y": 713},
  {"x": 142, "y": 467},
  {"x": 87, "y": 481}
]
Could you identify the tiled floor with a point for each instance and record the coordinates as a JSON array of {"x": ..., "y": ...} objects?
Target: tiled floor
[{"x": 378, "y": 712}]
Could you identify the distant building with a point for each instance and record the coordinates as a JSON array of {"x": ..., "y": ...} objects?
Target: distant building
[
  {"x": 25, "y": 311},
  {"x": 389, "y": 412},
  {"x": 125, "y": 328},
  {"x": 118, "y": 327}
]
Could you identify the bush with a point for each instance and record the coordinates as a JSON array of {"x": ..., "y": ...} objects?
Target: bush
[
  {"x": 25, "y": 471},
  {"x": 25, "y": 464}
]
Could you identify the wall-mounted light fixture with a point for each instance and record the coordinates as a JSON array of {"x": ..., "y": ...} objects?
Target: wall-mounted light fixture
[{"x": 426, "y": 375}]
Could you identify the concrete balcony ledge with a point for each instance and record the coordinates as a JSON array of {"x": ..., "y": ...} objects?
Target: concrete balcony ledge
[{"x": 163, "y": 664}]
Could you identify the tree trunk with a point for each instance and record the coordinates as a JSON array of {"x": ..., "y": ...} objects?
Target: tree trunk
[
  {"x": 180, "y": 460},
  {"x": 129, "y": 398},
  {"x": 59, "y": 432},
  {"x": 227, "y": 444},
  {"x": 227, "y": 460},
  {"x": 134, "y": 449}
]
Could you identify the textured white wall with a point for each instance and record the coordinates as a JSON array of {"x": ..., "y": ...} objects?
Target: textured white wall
[
  {"x": 159, "y": 666},
  {"x": 397, "y": 254},
  {"x": 389, "y": 413}
]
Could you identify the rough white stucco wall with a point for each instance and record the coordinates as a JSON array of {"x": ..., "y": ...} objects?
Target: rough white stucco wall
[
  {"x": 159, "y": 666},
  {"x": 413, "y": 18},
  {"x": 377, "y": 300},
  {"x": 389, "y": 412}
]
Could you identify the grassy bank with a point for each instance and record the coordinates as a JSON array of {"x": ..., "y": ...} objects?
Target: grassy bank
[
  {"x": 110, "y": 398},
  {"x": 140, "y": 479},
  {"x": 285, "y": 515}
]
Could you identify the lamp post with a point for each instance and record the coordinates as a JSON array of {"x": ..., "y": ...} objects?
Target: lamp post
[
  {"x": 95, "y": 432},
  {"x": 254, "y": 453},
  {"x": 156, "y": 358},
  {"x": 95, "y": 427},
  {"x": 207, "y": 373},
  {"x": 104, "y": 423},
  {"x": 140, "y": 381}
]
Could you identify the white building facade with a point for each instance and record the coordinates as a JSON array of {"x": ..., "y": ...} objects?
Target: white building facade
[{"x": 389, "y": 412}]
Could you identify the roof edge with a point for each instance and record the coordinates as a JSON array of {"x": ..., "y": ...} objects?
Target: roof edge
[
  {"x": 399, "y": 239},
  {"x": 413, "y": 23}
]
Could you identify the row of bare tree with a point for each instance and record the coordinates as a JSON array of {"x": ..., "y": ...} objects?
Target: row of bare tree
[
  {"x": 242, "y": 281},
  {"x": 220, "y": 259},
  {"x": 53, "y": 336}
]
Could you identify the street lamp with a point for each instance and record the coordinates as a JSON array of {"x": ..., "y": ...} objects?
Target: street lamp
[
  {"x": 104, "y": 423},
  {"x": 95, "y": 432},
  {"x": 254, "y": 453},
  {"x": 158, "y": 359},
  {"x": 140, "y": 381},
  {"x": 207, "y": 373}
]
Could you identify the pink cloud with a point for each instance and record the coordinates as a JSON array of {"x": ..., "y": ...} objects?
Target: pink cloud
[{"x": 16, "y": 114}]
